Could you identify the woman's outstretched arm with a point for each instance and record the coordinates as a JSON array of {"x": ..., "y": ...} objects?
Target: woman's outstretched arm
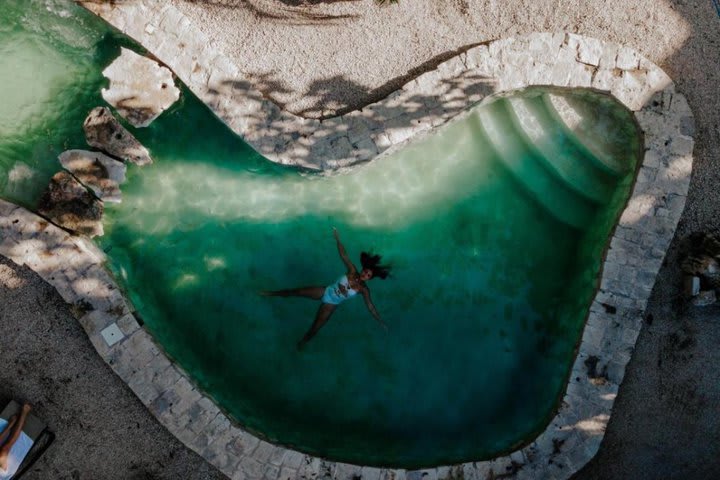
[
  {"x": 371, "y": 307},
  {"x": 343, "y": 254}
]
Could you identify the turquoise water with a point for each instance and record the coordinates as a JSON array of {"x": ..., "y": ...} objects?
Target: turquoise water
[{"x": 495, "y": 243}]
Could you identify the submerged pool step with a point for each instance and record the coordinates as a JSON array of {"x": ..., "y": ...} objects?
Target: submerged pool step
[
  {"x": 585, "y": 121},
  {"x": 523, "y": 161},
  {"x": 563, "y": 155}
]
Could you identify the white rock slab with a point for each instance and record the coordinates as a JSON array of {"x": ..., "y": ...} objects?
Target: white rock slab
[
  {"x": 100, "y": 173},
  {"x": 140, "y": 88}
]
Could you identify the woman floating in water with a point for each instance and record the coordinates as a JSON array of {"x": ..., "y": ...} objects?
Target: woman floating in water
[{"x": 347, "y": 286}]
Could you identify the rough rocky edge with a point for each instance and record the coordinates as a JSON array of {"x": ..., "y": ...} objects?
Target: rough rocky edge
[
  {"x": 67, "y": 203},
  {"x": 103, "y": 131},
  {"x": 102, "y": 174},
  {"x": 140, "y": 89}
]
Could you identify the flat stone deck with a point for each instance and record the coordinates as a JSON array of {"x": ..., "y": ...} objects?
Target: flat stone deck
[{"x": 636, "y": 251}]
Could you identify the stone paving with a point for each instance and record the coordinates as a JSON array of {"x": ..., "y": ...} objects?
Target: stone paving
[{"x": 74, "y": 266}]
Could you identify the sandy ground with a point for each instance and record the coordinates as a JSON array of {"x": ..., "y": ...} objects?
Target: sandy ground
[{"x": 321, "y": 57}]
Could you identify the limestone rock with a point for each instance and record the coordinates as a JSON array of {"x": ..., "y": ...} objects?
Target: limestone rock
[
  {"x": 102, "y": 174},
  {"x": 140, "y": 89},
  {"x": 68, "y": 204},
  {"x": 103, "y": 131}
]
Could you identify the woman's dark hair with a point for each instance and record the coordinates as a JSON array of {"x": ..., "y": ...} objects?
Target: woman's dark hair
[{"x": 372, "y": 263}]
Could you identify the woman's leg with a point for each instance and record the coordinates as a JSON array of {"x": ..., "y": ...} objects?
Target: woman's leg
[
  {"x": 315, "y": 293},
  {"x": 321, "y": 318},
  {"x": 16, "y": 431},
  {"x": 8, "y": 428}
]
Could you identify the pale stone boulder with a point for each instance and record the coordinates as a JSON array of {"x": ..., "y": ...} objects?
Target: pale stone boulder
[
  {"x": 67, "y": 203},
  {"x": 140, "y": 88},
  {"x": 100, "y": 173},
  {"x": 103, "y": 131}
]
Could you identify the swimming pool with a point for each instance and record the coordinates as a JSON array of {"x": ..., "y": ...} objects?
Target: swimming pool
[{"x": 495, "y": 257}]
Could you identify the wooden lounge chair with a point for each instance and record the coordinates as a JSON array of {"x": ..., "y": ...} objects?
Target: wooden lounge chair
[{"x": 36, "y": 431}]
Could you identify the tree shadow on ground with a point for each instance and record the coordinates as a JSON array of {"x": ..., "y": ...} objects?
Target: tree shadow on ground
[
  {"x": 291, "y": 12},
  {"x": 334, "y": 95},
  {"x": 356, "y": 136}
]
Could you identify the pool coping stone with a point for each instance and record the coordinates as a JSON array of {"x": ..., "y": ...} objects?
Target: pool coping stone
[{"x": 74, "y": 266}]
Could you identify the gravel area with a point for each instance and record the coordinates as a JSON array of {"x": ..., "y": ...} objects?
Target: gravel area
[{"x": 323, "y": 57}]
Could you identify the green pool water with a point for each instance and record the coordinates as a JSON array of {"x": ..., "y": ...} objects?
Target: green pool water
[{"x": 495, "y": 227}]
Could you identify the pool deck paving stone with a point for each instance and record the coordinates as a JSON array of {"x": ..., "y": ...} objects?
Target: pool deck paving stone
[{"x": 75, "y": 267}]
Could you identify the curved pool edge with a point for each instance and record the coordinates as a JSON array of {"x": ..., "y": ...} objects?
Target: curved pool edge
[{"x": 74, "y": 266}]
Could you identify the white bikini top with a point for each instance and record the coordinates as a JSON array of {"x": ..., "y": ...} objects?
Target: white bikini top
[{"x": 345, "y": 291}]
